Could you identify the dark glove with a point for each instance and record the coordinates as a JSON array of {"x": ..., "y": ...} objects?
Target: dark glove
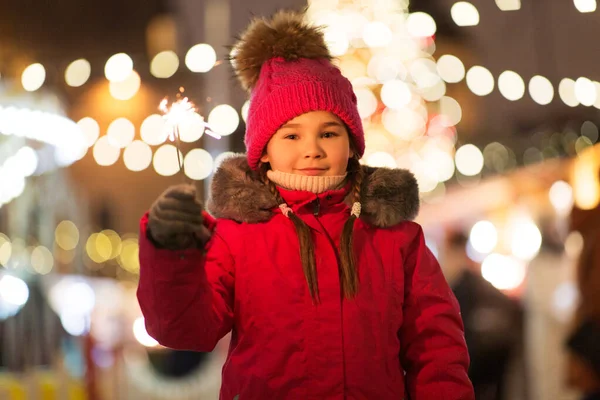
[{"x": 175, "y": 220}]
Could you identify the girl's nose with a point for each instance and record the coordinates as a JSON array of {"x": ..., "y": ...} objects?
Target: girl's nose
[{"x": 313, "y": 150}]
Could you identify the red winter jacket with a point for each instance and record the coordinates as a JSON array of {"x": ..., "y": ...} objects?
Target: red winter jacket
[{"x": 401, "y": 334}]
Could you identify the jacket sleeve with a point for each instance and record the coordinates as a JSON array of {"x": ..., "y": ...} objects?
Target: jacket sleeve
[
  {"x": 186, "y": 296},
  {"x": 434, "y": 353}
]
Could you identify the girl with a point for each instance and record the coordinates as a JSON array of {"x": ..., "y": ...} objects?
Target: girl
[{"x": 313, "y": 263}]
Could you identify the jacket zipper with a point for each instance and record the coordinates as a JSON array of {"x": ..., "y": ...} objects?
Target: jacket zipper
[{"x": 316, "y": 207}]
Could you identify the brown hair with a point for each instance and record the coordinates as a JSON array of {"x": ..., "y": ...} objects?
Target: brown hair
[{"x": 347, "y": 270}]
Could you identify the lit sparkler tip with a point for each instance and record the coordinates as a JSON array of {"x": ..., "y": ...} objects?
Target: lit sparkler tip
[{"x": 180, "y": 111}]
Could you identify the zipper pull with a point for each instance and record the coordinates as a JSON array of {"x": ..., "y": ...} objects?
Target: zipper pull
[{"x": 316, "y": 207}]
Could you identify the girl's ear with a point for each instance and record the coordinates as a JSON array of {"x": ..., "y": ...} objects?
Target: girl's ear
[
  {"x": 265, "y": 158},
  {"x": 352, "y": 152}
]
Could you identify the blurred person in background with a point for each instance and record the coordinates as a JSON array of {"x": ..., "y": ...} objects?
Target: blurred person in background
[
  {"x": 493, "y": 326},
  {"x": 549, "y": 300},
  {"x": 583, "y": 369},
  {"x": 31, "y": 339}
]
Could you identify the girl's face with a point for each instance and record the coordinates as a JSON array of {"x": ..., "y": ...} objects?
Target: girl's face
[{"x": 315, "y": 144}]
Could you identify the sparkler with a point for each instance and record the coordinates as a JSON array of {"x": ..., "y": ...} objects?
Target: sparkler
[{"x": 177, "y": 113}]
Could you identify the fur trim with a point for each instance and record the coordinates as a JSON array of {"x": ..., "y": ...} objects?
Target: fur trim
[
  {"x": 388, "y": 196},
  {"x": 284, "y": 35}
]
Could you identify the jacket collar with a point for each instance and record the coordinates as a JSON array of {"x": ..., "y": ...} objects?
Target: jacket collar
[
  {"x": 388, "y": 196},
  {"x": 304, "y": 201}
]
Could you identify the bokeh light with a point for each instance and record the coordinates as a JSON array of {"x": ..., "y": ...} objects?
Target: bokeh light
[
  {"x": 74, "y": 300},
  {"x": 566, "y": 91},
  {"x": 198, "y": 164},
  {"x": 141, "y": 335},
  {"x": 201, "y": 58},
  {"x": 14, "y": 293},
  {"x": 129, "y": 257},
  {"x": 464, "y": 14},
  {"x": 585, "y": 92},
  {"x": 336, "y": 41},
  {"x": 223, "y": 119},
  {"x": 395, "y": 94},
  {"x": 115, "y": 243},
  {"x": 5, "y": 250},
  {"x": 137, "y": 156},
  {"x": 381, "y": 159},
  {"x": 366, "y": 102},
  {"x": 541, "y": 90},
  {"x": 526, "y": 239},
  {"x": 165, "y": 160},
  {"x": 191, "y": 128},
  {"x": 164, "y": 65},
  {"x": 564, "y": 300},
  {"x": 442, "y": 163},
  {"x": 511, "y": 85},
  {"x": 451, "y": 110},
  {"x": 561, "y": 197},
  {"x": 99, "y": 248},
  {"x": 480, "y": 80},
  {"x": 78, "y": 73},
  {"x": 424, "y": 73},
  {"x": 24, "y": 160},
  {"x": 586, "y": 181},
  {"x": 127, "y": 88},
  {"x": 154, "y": 130},
  {"x": 90, "y": 129},
  {"x": 33, "y": 77},
  {"x": 75, "y": 325},
  {"x": 469, "y": 160},
  {"x": 118, "y": 67},
  {"x": 66, "y": 235},
  {"x": 377, "y": 34},
  {"x": 245, "y": 109},
  {"x": 509, "y": 5},
  {"x": 420, "y": 24},
  {"x": 483, "y": 237},
  {"x": 450, "y": 68},
  {"x": 42, "y": 260},
  {"x": 435, "y": 92},
  {"x": 105, "y": 153},
  {"x": 590, "y": 130},
  {"x": 403, "y": 123},
  {"x": 13, "y": 290},
  {"x": 503, "y": 272},
  {"x": 585, "y": 6},
  {"x": 120, "y": 133}
]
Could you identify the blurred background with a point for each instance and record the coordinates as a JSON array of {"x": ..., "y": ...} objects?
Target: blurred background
[{"x": 492, "y": 104}]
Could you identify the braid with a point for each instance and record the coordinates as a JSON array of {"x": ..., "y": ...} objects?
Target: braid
[
  {"x": 348, "y": 271},
  {"x": 358, "y": 180},
  {"x": 307, "y": 248}
]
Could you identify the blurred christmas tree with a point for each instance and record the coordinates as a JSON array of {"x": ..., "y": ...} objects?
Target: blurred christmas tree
[{"x": 387, "y": 53}]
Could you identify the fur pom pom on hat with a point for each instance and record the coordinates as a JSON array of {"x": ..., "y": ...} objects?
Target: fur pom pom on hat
[
  {"x": 286, "y": 35},
  {"x": 285, "y": 65}
]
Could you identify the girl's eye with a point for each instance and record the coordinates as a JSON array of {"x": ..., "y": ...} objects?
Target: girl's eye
[
  {"x": 329, "y": 134},
  {"x": 292, "y": 137}
]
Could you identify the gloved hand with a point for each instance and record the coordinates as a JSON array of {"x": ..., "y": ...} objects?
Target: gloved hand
[{"x": 175, "y": 220}]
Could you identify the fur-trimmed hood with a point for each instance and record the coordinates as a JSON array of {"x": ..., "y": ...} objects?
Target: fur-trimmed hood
[{"x": 388, "y": 196}]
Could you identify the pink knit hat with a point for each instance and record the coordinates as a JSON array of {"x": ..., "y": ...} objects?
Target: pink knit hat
[{"x": 286, "y": 66}]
